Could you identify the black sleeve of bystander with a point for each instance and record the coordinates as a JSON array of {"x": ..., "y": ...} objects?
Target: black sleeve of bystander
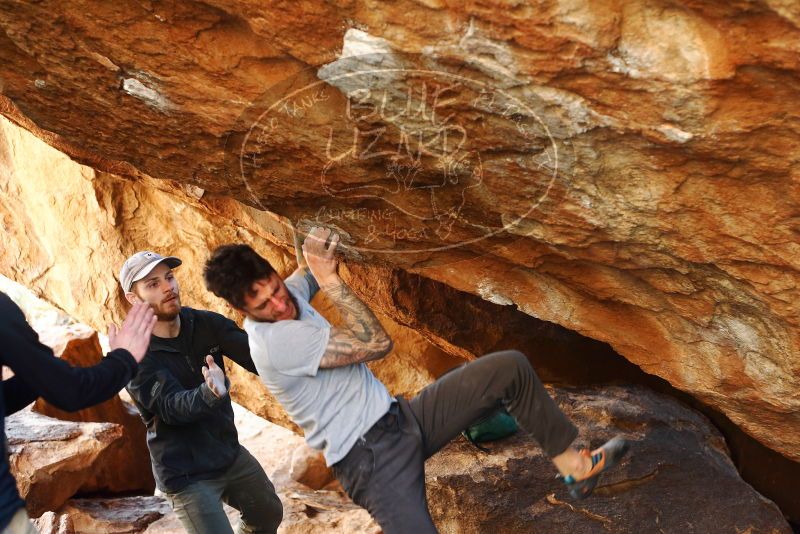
[{"x": 38, "y": 373}]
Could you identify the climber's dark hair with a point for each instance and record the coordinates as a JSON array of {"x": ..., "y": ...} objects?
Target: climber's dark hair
[{"x": 231, "y": 271}]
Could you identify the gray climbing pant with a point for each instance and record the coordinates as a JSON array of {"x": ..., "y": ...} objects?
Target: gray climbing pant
[{"x": 384, "y": 472}]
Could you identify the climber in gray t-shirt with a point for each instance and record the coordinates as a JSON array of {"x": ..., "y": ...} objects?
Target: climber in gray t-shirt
[
  {"x": 334, "y": 406},
  {"x": 377, "y": 445}
]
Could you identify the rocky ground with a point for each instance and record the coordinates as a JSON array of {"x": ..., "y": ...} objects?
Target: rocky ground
[
  {"x": 678, "y": 469},
  {"x": 627, "y": 169}
]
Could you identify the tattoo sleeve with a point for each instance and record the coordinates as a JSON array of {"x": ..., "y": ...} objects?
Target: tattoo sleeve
[{"x": 361, "y": 339}]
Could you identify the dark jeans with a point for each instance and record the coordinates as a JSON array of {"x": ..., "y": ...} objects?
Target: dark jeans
[
  {"x": 385, "y": 471},
  {"x": 244, "y": 486}
]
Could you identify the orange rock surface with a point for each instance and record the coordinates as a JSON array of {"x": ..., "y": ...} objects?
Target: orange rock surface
[
  {"x": 74, "y": 266},
  {"x": 51, "y": 459},
  {"x": 627, "y": 169},
  {"x": 127, "y": 467}
]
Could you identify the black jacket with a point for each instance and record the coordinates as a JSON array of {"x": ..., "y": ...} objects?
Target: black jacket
[
  {"x": 190, "y": 432},
  {"x": 37, "y": 373}
]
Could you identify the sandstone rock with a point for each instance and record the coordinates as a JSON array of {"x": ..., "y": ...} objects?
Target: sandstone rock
[
  {"x": 678, "y": 476},
  {"x": 328, "y": 512},
  {"x": 641, "y": 189},
  {"x": 127, "y": 468},
  {"x": 459, "y": 324},
  {"x": 122, "y": 515},
  {"x": 463, "y": 478},
  {"x": 305, "y": 511},
  {"x": 125, "y": 217},
  {"x": 678, "y": 469},
  {"x": 53, "y": 523},
  {"x": 309, "y": 469},
  {"x": 53, "y": 459},
  {"x": 152, "y": 515}
]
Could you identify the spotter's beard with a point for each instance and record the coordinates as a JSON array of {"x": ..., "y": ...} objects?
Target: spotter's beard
[{"x": 166, "y": 317}]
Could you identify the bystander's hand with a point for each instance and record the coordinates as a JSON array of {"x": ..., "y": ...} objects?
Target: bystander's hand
[
  {"x": 215, "y": 377},
  {"x": 134, "y": 334}
]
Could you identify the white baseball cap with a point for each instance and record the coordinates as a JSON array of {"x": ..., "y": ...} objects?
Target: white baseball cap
[{"x": 140, "y": 264}]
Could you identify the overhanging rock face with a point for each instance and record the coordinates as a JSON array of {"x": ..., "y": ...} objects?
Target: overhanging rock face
[
  {"x": 68, "y": 229},
  {"x": 627, "y": 169}
]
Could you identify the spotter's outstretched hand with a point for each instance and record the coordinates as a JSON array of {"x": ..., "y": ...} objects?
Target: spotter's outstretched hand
[{"x": 134, "y": 334}]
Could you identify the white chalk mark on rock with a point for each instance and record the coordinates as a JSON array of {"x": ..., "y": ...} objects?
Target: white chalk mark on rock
[
  {"x": 675, "y": 134},
  {"x": 149, "y": 96},
  {"x": 487, "y": 292}
]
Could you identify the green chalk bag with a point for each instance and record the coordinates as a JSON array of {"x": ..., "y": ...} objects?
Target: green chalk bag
[{"x": 498, "y": 425}]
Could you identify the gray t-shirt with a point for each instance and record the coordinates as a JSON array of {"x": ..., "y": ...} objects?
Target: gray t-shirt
[{"x": 334, "y": 407}]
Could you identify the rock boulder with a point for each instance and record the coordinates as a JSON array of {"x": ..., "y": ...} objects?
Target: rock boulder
[
  {"x": 677, "y": 477},
  {"x": 128, "y": 469},
  {"x": 624, "y": 168},
  {"x": 53, "y": 459},
  {"x": 677, "y": 470}
]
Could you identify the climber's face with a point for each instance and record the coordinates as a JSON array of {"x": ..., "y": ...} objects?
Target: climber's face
[{"x": 269, "y": 301}]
